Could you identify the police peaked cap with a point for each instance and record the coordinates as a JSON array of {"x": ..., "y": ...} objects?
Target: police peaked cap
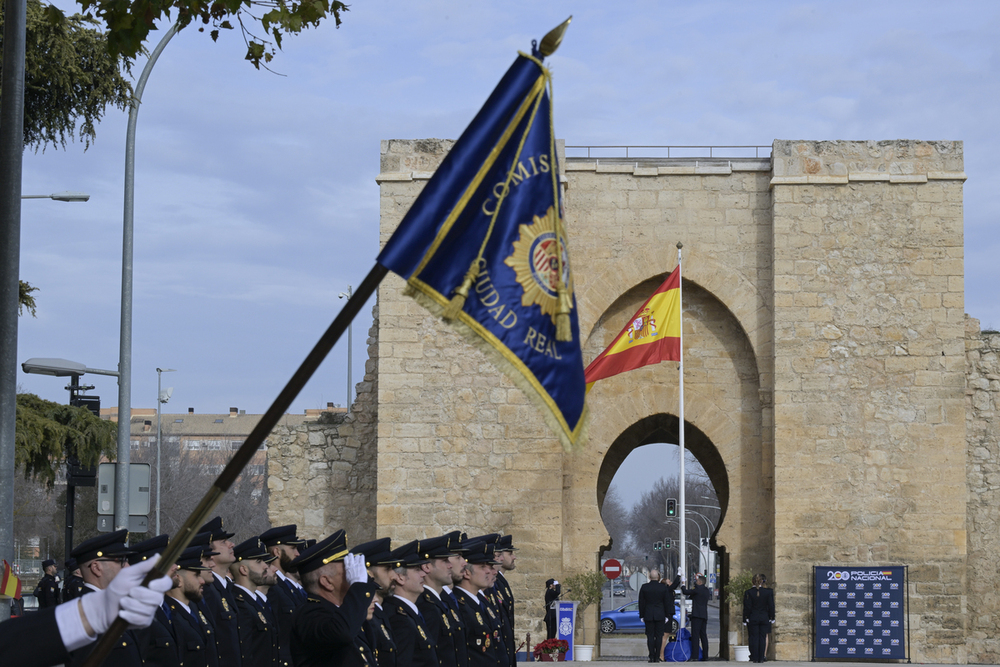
[
  {"x": 409, "y": 556},
  {"x": 479, "y": 552},
  {"x": 103, "y": 546},
  {"x": 329, "y": 550},
  {"x": 436, "y": 547},
  {"x": 506, "y": 543},
  {"x": 252, "y": 549},
  {"x": 281, "y": 535},
  {"x": 215, "y": 528},
  {"x": 454, "y": 539},
  {"x": 148, "y": 548},
  {"x": 46, "y": 563},
  {"x": 490, "y": 538},
  {"x": 203, "y": 540},
  {"x": 375, "y": 551},
  {"x": 71, "y": 564},
  {"x": 190, "y": 559}
]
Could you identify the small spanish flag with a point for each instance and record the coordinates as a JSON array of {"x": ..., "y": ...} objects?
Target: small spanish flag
[
  {"x": 651, "y": 336},
  {"x": 10, "y": 585}
]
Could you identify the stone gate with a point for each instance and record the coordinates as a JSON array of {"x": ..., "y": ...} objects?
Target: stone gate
[{"x": 832, "y": 391}]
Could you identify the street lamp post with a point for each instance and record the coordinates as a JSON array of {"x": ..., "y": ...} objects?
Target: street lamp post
[
  {"x": 72, "y": 370},
  {"x": 161, "y": 397},
  {"x": 125, "y": 340},
  {"x": 350, "y": 387}
]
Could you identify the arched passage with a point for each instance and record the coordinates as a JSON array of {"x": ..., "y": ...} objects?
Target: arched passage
[{"x": 724, "y": 427}]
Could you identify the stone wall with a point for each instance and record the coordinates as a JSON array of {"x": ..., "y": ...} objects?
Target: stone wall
[
  {"x": 322, "y": 475},
  {"x": 870, "y": 408},
  {"x": 983, "y": 429}
]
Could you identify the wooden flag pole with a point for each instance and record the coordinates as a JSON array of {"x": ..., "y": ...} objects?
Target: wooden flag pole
[{"x": 245, "y": 453}]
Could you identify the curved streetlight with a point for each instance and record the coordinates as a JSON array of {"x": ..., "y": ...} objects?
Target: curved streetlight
[
  {"x": 125, "y": 341},
  {"x": 61, "y": 196}
]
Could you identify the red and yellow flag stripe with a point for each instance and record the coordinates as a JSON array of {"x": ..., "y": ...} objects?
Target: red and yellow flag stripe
[
  {"x": 652, "y": 335},
  {"x": 10, "y": 585}
]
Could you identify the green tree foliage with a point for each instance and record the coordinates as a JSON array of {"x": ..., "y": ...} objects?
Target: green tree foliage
[
  {"x": 588, "y": 589},
  {"x": 129, "y": 23},
  {"x": 45, "y": 432},
  {"x": 70, "y": 78},
  {"x": 24, "y": 298}
]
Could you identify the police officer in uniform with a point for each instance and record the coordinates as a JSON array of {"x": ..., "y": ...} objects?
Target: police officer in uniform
[
  {"x": 100, "y": 559},
  {"x": 218, "y": 597},
  {"x": 457, "y": 561},
  {"x": 47, "y": 590},
  {"x": 480, "y": 633},
  {"x": 437, "y": 615},
  {"x": 158, "y": 646},
  {"x": 379, "y": 563},
  {"x": 73, "y": 586},
  {"x": 327, "y": 629},
  {"x": 409, "y": 630},
  {"x": 195, "y": 636},
  {"x": 286, "y": 595},
  {"x": 504, "y": 552},
  {"x": 258, "y": 636}
]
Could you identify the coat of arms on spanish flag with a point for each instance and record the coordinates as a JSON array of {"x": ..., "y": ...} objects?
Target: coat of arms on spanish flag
[{"x": 651, "y": 336}]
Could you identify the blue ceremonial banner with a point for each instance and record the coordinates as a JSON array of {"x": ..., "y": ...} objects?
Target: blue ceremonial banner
[
  {"x": 861, "y": 612},
  {"x": 484, "y": 247}
]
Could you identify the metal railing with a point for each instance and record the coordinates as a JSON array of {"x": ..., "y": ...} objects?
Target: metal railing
[{"x": 632, "y": 152}]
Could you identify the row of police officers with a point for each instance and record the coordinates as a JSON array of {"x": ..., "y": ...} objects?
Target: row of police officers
[{"x": 276, "y": 600}]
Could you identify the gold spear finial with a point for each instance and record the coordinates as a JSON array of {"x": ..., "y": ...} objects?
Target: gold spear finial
[{"x": 553, "y": 39}]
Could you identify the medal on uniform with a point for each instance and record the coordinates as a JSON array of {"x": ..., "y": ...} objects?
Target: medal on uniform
[
  {"x": 444, "y": 617},
  {"x": 420, "y": 629},
  {"x": 455, "y": 616},
  {"x": 261, "y": 614},
  {"x": 479, "y": 619},
  {"x": 490, "y": 612},
  {"x": 487, "y": 642},
  {"x": 225, "y": 605},
  {"x": 204, "y": 621},
  {"x": 384, "y": 631}
]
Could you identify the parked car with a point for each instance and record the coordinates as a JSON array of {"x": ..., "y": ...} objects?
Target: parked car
[
  {"x": 620, "y": 590},
  {"x": 626, "y": 619}
]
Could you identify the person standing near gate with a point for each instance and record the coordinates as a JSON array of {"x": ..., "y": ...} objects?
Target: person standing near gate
[
  {"x": 758, "y": 614},
  {"x": 699, "y": 617},
  {"x": 655, "y": 599}
]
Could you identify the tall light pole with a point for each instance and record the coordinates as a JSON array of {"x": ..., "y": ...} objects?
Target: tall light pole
[
  {"x": 350, "y": 387},
  {"x": 125, "y": 340},
  {"x": 161, "y": 397}
]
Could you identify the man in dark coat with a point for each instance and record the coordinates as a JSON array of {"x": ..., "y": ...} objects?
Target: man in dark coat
[
  {"x": 258, "y": 635},
  {"x": 195, "y": 636},
  {"x": 480, "y": 633},
  {"x": 758, "y": 615},
  {"x": 47, "y": 590},
  {"x": 379, "y": 563},
  {"x": 655, "y": 599},
  {"x": 505, "y": 556},
  {"x": 432, "y": 605},
  {"x": 327, "y": 629},
  {"x": 286, "y": 595},
  {"x": 700, "y": 595},
  {"x": 218, "y": 597}
]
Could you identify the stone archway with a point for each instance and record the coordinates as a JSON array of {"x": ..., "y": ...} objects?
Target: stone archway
[{"x": 724, "y": 427}]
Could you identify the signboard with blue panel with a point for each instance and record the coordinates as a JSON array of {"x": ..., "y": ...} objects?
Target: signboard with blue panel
[
  {"x": 860, "y": 613},
  {"x": 565, "y": 622}
]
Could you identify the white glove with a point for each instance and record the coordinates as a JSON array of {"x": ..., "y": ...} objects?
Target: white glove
[
  {"x": 125, "y": 596},
  {"x": 354, "y": 569}
]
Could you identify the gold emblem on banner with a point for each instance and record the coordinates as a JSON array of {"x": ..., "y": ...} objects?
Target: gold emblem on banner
[{"x": 535, "y": 263}]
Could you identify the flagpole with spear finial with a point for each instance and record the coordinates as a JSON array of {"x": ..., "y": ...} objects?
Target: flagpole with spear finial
[{"x": 270, "y": 419}]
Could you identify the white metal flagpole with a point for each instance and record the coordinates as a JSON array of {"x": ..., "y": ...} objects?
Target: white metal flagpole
[{"x": 683, "y": 514}]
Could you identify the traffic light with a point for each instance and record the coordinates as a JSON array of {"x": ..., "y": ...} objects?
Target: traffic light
[
  {"x": 666, "y": 544},
  {"x": 657, "y": 546},
  {"x": 671, "y": 507}
]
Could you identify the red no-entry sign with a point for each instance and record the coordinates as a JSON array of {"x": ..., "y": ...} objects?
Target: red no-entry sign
[{"x": 611, "y": 568}]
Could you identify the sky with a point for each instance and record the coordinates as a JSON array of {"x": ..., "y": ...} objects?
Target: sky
[{"x": 255, "y": 196}]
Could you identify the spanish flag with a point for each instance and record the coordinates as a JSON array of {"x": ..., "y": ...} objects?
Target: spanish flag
[
  {"x": 651, "y": 336},
  {"x": 10, "y": 585}
]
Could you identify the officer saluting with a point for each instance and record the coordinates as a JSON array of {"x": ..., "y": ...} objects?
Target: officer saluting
[{"x": 326, "y": 629}]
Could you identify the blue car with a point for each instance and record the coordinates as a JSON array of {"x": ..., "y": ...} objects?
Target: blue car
[{"x": 626, "y": 619}]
